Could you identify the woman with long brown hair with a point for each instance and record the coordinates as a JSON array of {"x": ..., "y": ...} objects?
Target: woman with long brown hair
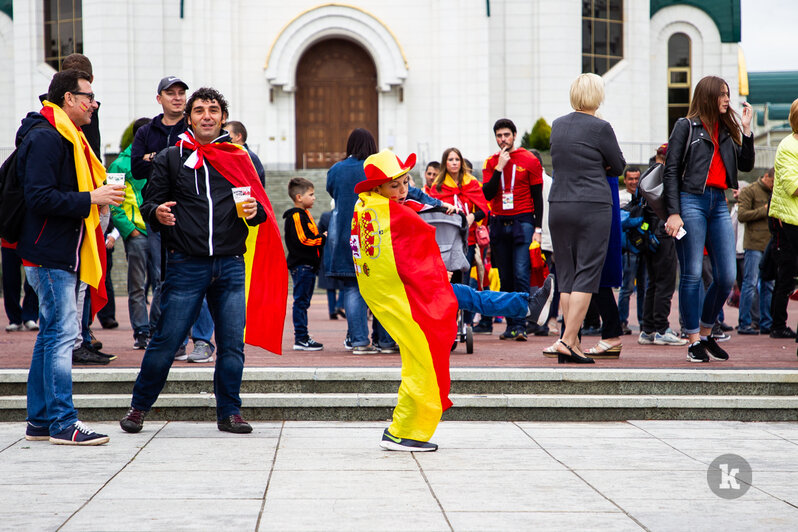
[
  {"x": 456, "y": 186},
  {"x": 705, "y": 151}
]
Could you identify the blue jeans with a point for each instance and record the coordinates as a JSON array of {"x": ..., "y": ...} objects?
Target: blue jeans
[
  {"x": 188, "y": 281},
  {"x": 707, "y": 222},
  {"x": 137, "y": 253},
  {"x": 752, "y": 283},
  {"x": 357, "y": 323},
  {"x": 511, "y": 257},
  {"x": 50, "y": 376},
  {"x": 12, "y": 286},
  {"x": 203, "y": 326},
  {"x": 304, "y": 278},
  {"x": 634, "y": 268},
  {"x": 508, "y": 304},
  {"x": 379, "y": 336}
]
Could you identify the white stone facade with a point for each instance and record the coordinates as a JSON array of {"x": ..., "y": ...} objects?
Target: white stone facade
[{"x": 446, "y": 71}]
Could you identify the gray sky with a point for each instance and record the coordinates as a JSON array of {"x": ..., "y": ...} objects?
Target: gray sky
[{"x": 768, "y": 34}]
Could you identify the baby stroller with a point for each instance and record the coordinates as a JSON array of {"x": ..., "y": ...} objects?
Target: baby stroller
[{"x": 451, "y": 234}]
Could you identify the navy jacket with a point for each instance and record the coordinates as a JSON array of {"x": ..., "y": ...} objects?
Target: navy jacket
[
  {"x": 53, "y": 226},
  {"x": 152, "y": 137}
]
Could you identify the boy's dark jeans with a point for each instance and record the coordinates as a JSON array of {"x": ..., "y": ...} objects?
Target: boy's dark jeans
[{"x": 304, "y": 278}]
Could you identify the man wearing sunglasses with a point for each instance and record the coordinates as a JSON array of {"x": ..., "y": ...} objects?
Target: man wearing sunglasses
[{"x": 62, "y": 183}]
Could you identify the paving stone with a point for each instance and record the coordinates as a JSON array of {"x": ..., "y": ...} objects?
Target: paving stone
[
  {"x": 341, "y": 459},
  {"x": 714, "y": 514},
  {"x": 351, "y": 514},
  {"x": 406, "y": 487},
  {"x": 541, "y": 521},
  {"x": 197, "y": 454},
  {"x": 177, "y": 485},
  {"x": 482, "y": 459},
  {"x": 579, "y": 430},
  {"x": 662, "y": 458},
  {"x": 623, "y": 487},
  {"x": 511, "y": 490},
  {"x": 209, "y": 430},
  {"x": 143, "y": 514}
]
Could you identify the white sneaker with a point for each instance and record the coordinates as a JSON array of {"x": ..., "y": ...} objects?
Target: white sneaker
[
  {"x": 645, "y": 338},
  {"x": 669, "y": 338},
  {"x": 31, "y": 325},
  {"x": 13, "y": 327}
]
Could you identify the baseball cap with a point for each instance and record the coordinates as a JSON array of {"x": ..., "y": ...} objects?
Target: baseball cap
[{"x": 168, "y": 81}]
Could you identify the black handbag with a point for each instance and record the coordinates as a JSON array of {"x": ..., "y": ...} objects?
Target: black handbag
[{"x": 650, "y": 183}]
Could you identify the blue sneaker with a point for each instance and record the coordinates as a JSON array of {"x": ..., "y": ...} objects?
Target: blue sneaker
[
  {"x": 392, "y": 443},
  {"x": 78, "y": 434},
  {"x": 37, "y": 433}
]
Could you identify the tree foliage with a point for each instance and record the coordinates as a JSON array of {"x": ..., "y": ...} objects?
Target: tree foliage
[{"x": 539, "y": 137}]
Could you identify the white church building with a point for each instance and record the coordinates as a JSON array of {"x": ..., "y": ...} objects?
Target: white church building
[{"x": 422, "y": 75}]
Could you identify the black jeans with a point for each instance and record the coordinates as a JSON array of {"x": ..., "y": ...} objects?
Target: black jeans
[
  {"x": 661, "y": 267},
  {"x": 608, "y": 310},
  {"x": 786, "y": 257}
]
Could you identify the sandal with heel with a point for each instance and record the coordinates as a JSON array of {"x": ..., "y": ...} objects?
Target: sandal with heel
[
  {"x": 572, "y": 356},
  {"x": 605, "y": 350}
]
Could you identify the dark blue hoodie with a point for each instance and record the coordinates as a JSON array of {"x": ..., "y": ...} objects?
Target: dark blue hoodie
[
  {"x": 53, "y": 226},
  {"x": 152, "y": 137}
]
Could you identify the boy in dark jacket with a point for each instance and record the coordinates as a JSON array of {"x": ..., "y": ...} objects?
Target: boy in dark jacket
[{"x": 304, "y": 243}]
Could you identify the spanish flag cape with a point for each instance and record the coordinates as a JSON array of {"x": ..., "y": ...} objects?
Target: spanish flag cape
[
  {"x": 467, "y": 196},
  {"x": 404, "y": 282},
  {"x": 91, "y": 175},
  {"x": 266, "y": 288}
]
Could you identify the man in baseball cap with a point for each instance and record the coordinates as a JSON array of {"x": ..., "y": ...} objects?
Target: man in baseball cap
[{"x": 150, "y": 139}]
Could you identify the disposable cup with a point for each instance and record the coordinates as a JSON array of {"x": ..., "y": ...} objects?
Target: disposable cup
[
  {"x": 115, "y": 178},
  {"x": 241, "y": 196}
]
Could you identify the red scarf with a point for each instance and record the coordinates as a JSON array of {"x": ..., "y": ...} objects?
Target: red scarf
[{"x": 267, "y": 273}]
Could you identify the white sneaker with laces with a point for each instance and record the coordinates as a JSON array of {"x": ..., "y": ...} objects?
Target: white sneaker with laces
[{"x": 669, "y": 338}]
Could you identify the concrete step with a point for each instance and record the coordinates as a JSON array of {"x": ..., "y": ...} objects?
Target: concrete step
[
  {"x": 489, "y": 407},
  {"x": 479, "y": 381}
]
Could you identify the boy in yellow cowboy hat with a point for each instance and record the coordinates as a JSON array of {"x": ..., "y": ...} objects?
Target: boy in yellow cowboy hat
[{"x": 403, "y": 280}]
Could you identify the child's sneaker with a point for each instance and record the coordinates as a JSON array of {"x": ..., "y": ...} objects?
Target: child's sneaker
[
  {"x": 540, "y": 301},
  {"x": 392, "y": 443},
  {"x": 714, "y": 350},
  {"x": 308, "y": 344},
  {"x": 37, "y": 433},
  {"x": 78, "y": 434},
  {"x": 697, "y": 353}
]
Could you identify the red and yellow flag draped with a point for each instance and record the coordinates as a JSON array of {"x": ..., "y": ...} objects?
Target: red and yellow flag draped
[
  {"x": 266, "y": 270},
  {"x": 402, "y": 278},
  {"x": 91, "y": 175}
]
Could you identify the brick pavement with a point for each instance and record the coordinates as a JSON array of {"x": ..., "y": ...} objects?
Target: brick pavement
[{"x": 489, "y": 351}]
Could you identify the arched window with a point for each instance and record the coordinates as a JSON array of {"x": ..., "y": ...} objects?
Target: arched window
[
  {"x": 63, "y": 30},
  {"x": 678, "y": 78},
  {"x": 602, "y": 35}
]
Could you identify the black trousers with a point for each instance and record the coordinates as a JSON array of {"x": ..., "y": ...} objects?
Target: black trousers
[
  {"x": 661, "y": 267},
  {"x": 786, "y": 258},
  {"x": 608, "y": 310}
]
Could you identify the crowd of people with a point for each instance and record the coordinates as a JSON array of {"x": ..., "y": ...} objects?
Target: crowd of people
[{"x": 202, "y": 243}]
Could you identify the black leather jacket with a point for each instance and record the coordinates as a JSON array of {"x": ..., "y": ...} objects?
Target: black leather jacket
[{"x": 689, "y": 174}]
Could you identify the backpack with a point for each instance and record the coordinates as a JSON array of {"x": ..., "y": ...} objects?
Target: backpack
[{"x": 12, "y": 196}]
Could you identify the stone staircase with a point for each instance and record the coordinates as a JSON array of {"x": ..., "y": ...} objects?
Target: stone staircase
[{"x": 545, "y": 394}]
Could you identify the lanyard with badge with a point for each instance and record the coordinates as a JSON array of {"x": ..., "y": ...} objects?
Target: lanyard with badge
[{"x": 507, "y": 197}]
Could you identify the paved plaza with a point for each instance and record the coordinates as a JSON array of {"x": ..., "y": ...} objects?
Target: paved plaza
[{"x": 637, "y": 475}]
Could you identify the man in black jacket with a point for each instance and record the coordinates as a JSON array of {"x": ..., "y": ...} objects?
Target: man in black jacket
[
  {"x": 189, "y": 200},
  {"x": 55, "y": 168}
]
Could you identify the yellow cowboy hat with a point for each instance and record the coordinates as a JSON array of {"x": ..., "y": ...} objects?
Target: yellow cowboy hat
[{"x": 383, "y": 167}]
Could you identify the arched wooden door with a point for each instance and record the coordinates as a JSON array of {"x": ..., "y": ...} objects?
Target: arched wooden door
[{"x": 336, "y": 92}]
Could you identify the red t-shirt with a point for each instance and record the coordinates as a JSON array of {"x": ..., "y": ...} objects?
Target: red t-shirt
[
  {"x": 528, "y": 172},
  {"x": 717, "y": 170}
]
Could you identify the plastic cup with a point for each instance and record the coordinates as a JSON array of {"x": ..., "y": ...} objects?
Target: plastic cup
[
  {"x": 115, "y": 179},
  {"x": 240, "y": 197}
]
